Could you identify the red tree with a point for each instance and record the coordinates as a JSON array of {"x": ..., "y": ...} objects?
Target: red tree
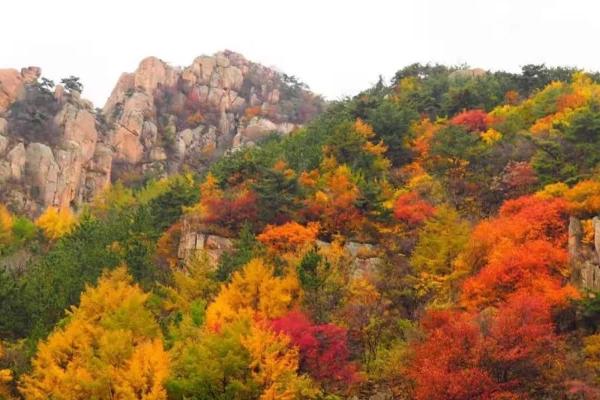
[
  {"x": 323, "y": 349},
  {"x": 412, "y": 209},
  {"x": 448, "y": 363},
  {"x": 535, "y": 267},
  {"x": 231, "y": 211},
  {"x": 473, "y": 120},
  {"x": 512, "y": 353}
]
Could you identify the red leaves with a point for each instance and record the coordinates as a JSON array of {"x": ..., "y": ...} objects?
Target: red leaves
[
  {"x": 447, "y": 364},
  {"x": 323, "y": 349},
  {"x": 523, "y": 249},
  {"x": 535, "y": 267},
  {"x": 502, "y": 356},
  {"x": 473, "y": 120},
  {"x": 518, "y": 178},
  {"x": 412, "y": 209},
  {"x": 231, "y": 211},
  {"x": 505, "y": 345}
]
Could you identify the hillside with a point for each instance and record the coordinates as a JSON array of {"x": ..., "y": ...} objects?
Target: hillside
[
  {"x": 57, "y": 150},
  {"x": 437, "y": 237}
]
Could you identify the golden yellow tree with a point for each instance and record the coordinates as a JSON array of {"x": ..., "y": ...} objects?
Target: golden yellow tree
[
  {"x": 253, "y": 290},
  {"x": 274, "y": 365},
  {"x": 6, "y": 224},
  {"x": 6, "y": 378},
  {"x": 110, "y": 348},
  {"x": 55, "y": 222}
]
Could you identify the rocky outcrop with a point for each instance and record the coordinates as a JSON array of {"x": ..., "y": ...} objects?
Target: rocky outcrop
[
  {"x": 12, "y": 83},
  {"x": 55, "y": 150},
  {"x": 194, "y": 241},
  {"x": 198, "y": 238},
  {"x": 164, "y": 117},
  {"x": 585, "y": 256},
  {"x": 365, "y": 256},
  {"x": 64, "y": 166}
]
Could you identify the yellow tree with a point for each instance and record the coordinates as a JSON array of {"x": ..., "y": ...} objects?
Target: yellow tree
[
  {"x": 253, "y": 290},
  {"x": 6, "y": 224},
  {"x": 109, "y": 348},
  {"x": 274, "y": 365},
  {"x": 55, "y": 222},
  {"x": 584, "y": 198},
  {"x": 5, "y": 379},
  {"x": 440, "y": 240}
]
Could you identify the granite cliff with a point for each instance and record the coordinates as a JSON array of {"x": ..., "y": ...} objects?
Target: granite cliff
[{"x": 56, "y": 149}]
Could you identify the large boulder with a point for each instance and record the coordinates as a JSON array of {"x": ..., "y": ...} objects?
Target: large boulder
[
  {"x": 42, "y": 172},
  {"x": 16, "y": 160},
  {"x": 12, "y": 83},
  {"x": 79, "y": 126}
]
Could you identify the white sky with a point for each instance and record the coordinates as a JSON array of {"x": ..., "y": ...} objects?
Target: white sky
[{"x": 336, "y": 47}]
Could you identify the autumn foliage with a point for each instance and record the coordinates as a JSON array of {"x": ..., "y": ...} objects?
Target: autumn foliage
[
  {"x": 502, "y": 356},
  {"x": 412, "y": 209},
  {"x": 110, "y": 346},
  {"x": 419, "y": 241},
  {"x": 253, "y": 291},
  {"x": 334, "y": 204},
  {"x": 226, "y": 208},
  {"x": 55, "y": 222},
  {"x": 473, "y": 120},
  {"x": 323, "y": 349},
  {"x": 6, "y": 224},
  {"x": 289, "y": 237}
]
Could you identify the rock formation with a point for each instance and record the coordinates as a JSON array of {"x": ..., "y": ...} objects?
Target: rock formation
[
  {"x": 585, "y": 257},
  {"x": 55, "y": 149},
  {"x": 164, "y": 117},
  {"x": 51, "y": 150}
]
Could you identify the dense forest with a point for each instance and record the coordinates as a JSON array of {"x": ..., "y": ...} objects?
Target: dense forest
[{"x": 425, "y": 239}]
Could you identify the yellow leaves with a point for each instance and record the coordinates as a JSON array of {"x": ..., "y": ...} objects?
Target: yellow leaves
[
  {"x": 56, "y": 223},
  {"x": 426, "y": 186},
  {"x": 553, "y": 190},
  {"x": 424, "y": 130},
  {"x": 362, "y": 291},
  {"x": 6, "y": 224},
  {"x": 109, "y": 348},
  {"x": 491, "y": 136},
  {"x": 377, "y": 149},
  {"x": 363, "y": 129},
  {"x": 274, "y": 365},
  {"x": 210, "y": 187},
  {"x": 321, "y": 197},
  {"x": 584, "y": 198},
  {"x": 591, "y": 350},
  {"x": 547, "y": 123},
  {"x": 5, "y": 379},
  {"x": 309, "y": 179},
  {"x": 340, "y": 183},
  {"x": 588, "y": 231},
  {"x": 144, "y": 373},
  {"x": 191, "y": 284},
  {"x": 253, "y": 291}
]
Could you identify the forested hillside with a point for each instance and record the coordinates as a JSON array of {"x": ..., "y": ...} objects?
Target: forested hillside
[{"x": 437, "y": 237}]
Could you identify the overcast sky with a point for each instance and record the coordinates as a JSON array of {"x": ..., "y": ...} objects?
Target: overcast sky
[{"x": 336, "y": 47}]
